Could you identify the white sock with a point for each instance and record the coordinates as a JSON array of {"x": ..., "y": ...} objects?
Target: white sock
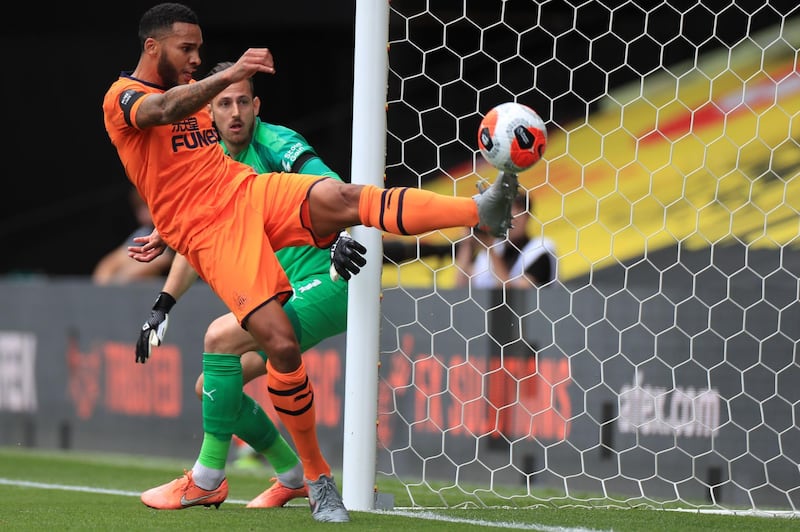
[
  {"x": 293, "y": 478},
  {"x": 207, "y": 478}
]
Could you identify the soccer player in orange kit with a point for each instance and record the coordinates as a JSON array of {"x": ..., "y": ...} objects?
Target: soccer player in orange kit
[{"x": 228, "y": 221}]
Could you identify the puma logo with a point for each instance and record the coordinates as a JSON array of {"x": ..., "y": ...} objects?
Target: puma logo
[{"x": 209, "y": 393}]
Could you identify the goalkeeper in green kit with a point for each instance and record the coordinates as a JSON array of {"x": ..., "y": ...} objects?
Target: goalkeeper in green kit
[{"x": 317, "y": 309}]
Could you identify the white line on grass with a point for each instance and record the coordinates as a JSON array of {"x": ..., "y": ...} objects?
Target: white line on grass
[
  {"x": 402, "y": 513},
  {"x": 479, "y": 522},
  {"x": 408, "y": 513},
  {"x": 86, "y": 489}
]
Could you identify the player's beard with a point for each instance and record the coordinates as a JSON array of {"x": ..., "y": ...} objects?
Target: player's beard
[
  {"x": 238, "y": 142},
  {"x": 247, "y": 131},
  {"x": 167, "y": 72}
]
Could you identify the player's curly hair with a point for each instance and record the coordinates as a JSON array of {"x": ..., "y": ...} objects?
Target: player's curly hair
[{"x": 159, "y": 19}]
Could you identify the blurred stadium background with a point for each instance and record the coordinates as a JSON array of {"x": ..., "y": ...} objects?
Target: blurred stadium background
[
  {"x": 662, "y": 364},
  {"x": 71, "y": 194}
]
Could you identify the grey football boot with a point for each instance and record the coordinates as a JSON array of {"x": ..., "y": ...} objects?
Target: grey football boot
[
  {"x": 494, "y": 204},
  {"x": 325, "y": 501}
]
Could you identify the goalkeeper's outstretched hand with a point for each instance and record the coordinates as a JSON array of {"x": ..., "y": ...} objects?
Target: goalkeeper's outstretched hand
[
  {"x": 154, "y": 329},
  {"x": 347, "y": 257}
]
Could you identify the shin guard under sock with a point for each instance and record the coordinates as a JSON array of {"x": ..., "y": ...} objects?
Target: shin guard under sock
[
  {"x": 412, "y": 211},
  {"x": 221, "y": 403},
  {"x": 256, "y": 429},
  {"x": 293, "y": 399}
]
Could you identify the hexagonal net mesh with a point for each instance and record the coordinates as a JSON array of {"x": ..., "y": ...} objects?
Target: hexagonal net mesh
[{"x": 660, "y": 366}]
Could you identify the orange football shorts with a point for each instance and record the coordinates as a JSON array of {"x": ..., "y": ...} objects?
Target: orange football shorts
[{"x": 235, "y": 253}]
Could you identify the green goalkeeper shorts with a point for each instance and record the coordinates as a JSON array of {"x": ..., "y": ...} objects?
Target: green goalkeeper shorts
[{"x": 317, "y": 310}]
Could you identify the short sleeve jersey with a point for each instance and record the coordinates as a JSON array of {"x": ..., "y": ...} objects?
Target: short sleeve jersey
[
  {"x": 179, "y": 169},
  {"x": 280, "y": 149}
]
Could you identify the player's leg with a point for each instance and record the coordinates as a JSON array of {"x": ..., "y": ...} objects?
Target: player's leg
[
  {"x": 226, "y": 335},
  {"x": 288, "y": 384},
  {"x": 254, "y": 286},
  {"x": 292, "y": 396},
  {"x": 318, "y": 310},
  {"x": 236, "y": 277},
  {"x": 320, "y": 313},
  {"x": 409, "y": 211},
  {"x": 289, "y": 481},
  {"x": 246, "y": 275},
  {"x": 206, "y": 484}
]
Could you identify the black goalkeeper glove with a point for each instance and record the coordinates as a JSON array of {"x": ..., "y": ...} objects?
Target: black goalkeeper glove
[
  {"x": 347, "y": 257},
  {"x": 153, "y": 330}
]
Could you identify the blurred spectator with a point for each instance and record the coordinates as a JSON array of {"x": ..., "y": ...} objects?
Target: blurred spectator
[
  {"x": 116, "y": 267},
  {"x": 520, "y": 261}
]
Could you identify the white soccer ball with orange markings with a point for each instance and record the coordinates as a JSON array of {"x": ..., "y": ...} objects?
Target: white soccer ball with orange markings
[{"x": 512, "y": 137}]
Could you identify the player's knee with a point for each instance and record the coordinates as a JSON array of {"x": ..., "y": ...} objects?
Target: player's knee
[
  {"x": 198, "y": 387},
  {"x": 215, "y": 338},
  {"x": 284, "y": 353},
  {"x": 253, "y": 366},
  {"x": 285, "y": 348}
]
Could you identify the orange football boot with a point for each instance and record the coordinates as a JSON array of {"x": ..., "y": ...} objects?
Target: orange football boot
[
  {"x": 277, "y": 495},
  {"x": 183, "y": 493}
]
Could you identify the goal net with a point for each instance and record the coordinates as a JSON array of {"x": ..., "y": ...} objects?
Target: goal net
[{"x": 660, "y": 366}]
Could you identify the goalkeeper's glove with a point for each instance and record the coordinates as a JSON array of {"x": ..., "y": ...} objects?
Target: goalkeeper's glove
[
  {"x": 347, "y": 257},
  {"x": 153, "y": 330}
]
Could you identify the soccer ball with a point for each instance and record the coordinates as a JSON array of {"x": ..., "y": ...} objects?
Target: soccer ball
[{"x": 512, "y": 137}]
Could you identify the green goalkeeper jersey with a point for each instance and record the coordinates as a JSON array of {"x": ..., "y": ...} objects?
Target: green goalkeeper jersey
[{"x": 280, "y": 149}]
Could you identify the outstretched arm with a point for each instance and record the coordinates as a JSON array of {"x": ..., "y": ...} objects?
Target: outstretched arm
[{"x": 181, "y": 101}]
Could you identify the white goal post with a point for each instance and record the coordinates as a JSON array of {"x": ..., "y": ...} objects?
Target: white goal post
[
  {"x": 661, "y": 367},
  {"x": 363, "y": 314}
]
